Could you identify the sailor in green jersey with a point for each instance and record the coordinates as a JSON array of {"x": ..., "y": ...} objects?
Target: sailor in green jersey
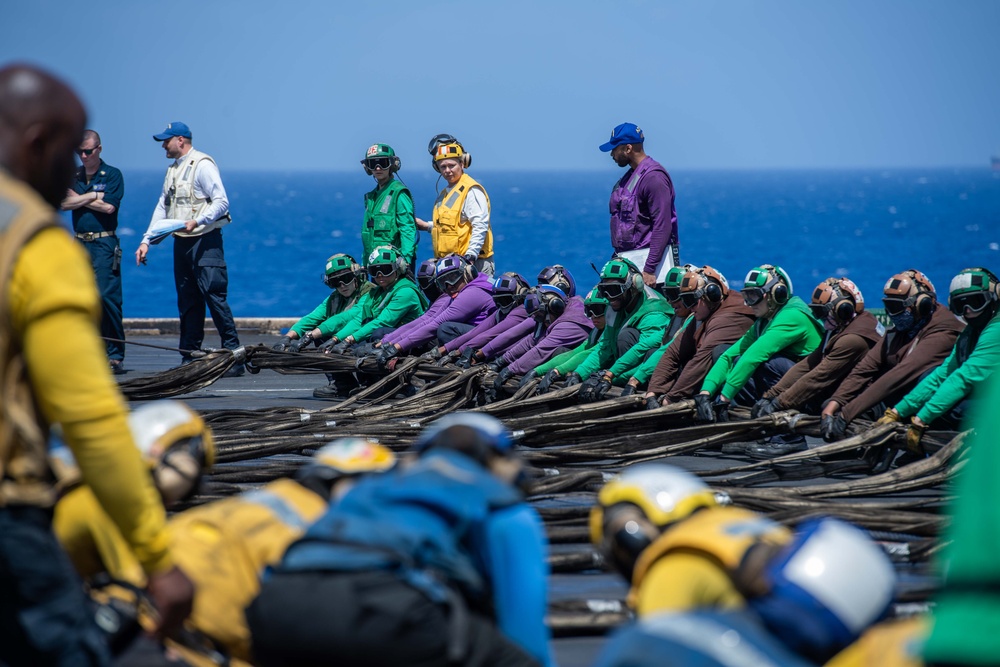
[
  {"x": 966, "y": 616},
  {"x": 595, "y": 306},
  {"x": 389, "y": 216},
  {"x": 635, "y": 328},
  {"x": 784, "y": 332},
  {"x": 942, "y": 396},
  {"x": 680, "y": 316},
  {"x": 347, "y": 280}
]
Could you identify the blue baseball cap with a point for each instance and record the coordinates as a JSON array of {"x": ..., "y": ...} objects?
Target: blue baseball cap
[
  {"x": 626, "y": 133},
  {"x": 175, "y": 129}
]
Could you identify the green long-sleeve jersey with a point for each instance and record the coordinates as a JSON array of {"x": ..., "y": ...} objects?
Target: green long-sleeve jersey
[
  {"x": 333, "y": 306},
  {"x": 792, "y": 331},
  {"x": 650, "y": 317},
  {"x": 646, "y": 368},
  {"x": 570, "y": 359},
  {"x": 971, "y": 362},
  {"x": 402, "y": 302}
]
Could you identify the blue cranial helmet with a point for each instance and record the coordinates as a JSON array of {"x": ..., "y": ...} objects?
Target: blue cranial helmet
[{"x": 489, "y": 431}]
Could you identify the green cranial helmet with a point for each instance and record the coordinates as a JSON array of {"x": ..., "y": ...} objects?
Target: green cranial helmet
[
  {"x": 386, "y": 255},
  {"x": 595, "y": 299},
  {"x": 380, "y": 150},
  {"x": 618, "y": 268},
  {"x": 769, "y": 281},
  {"x": 671, "y": 287},
  {"x": 973, "y": 290},
  {"x": 341, "y": 268},
  {"x": 380, "y": 156}
]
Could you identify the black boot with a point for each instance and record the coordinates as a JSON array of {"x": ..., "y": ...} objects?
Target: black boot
[
  {"x": 327, "y": 391},
  {"x": 779, "y": 445}
]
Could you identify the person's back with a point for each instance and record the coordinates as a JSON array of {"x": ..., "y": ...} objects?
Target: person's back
[{"x": 448, "y": 537}]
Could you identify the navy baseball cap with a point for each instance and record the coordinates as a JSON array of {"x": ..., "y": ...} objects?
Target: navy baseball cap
[
  {"x": 626, "y": 133},
  {"x": 175, "y": 129}
]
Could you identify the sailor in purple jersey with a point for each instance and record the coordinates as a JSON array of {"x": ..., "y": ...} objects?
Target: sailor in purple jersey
[
  {"x": 509, "y": 290},
  {"x": 643, "y": 217},
  {"x": 558, "y": 335},
  {"x": 470, "y": 300}
]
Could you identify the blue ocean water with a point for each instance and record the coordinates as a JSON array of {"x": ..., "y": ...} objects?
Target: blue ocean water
[{"x": 865, "y": 225}]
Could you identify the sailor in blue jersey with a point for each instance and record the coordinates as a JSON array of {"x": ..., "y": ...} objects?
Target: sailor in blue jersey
[{"x": 438, "y": 562}]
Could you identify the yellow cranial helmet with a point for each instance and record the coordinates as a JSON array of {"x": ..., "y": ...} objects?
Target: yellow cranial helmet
[
  {"x": 176, "y": 443},
  {"x": 344, "y": 457}
]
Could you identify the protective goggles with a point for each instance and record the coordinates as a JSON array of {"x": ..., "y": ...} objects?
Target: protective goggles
[
  {"x": 381, "y": 270},
  {"x": 450, "y": 279},
  {"x": 821, "y": 310},
  {"x": 753, "y": 296},
  {"x": 894, "y": 307},
  {"x": 973, "y": 302},
  {"x": 374, "y": 163},
  {"x": 690, "y": 299},
  {"x": 338, "y": 280},
  {"x": 672, "y": 294},
  {"x": 504, "y": 301},
  {"x": 548, "y": 274},
  {"x": 595, "y": 309},
  {"x": 533, "y": 303},
  {"x": 612, "y": 291}
]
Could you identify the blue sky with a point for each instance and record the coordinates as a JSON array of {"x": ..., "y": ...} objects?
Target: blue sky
[{"x": 530, "y": 84}]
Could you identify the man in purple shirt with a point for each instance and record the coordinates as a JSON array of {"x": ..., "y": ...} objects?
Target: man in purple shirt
[
  {"x": 470, "y": 300},
  {"x": 643, "y": 217}
]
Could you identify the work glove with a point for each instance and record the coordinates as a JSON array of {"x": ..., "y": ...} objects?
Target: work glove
[
  {"x": 628, "y": 390},
  {"x": 721, "y": 408},
  {"x": 764, "y": 407},
  {"x": 362, "y": 349},
  {"x": 337, "y": 348},
  {"x": 505, "y": 374},
  {"x": 595, "y": 387},
  {"x": 465, "y": 360},
  {"x": 526, "y": 378},
  {"x": 431, "y": 355},
  {"x": 448, "y": 358},
  {"x": 300, "y": 344},
  {"x": 496, "y": 365},
  {"x": 889, "y": 417},
  {"x": 470, "y": 259},
  {"x": 547, "y": 380},
  {"x": 703, "y": 408},
  {"x": 913, "y": 435},
  {"x": 572, "y": 379},
  {"x": 652, "y": 403},
  {"x": 385, "y": 354},
  {"x": 832, "y": 427},
  {"x": 282, "y": 344}
]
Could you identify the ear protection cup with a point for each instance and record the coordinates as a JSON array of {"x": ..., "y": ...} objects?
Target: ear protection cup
[
  {"x": 923, "y": 306},
  {"x": 556, "y": 306},
  {"x": 844, "y": 310},
  {"x": 713, "y": 292}
]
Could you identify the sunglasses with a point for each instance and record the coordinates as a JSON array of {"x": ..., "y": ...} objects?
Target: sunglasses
[
  {"x": 611, "y": 291},
  {"x": 338, "y": 281},
  {"x": 374, "y": 163},
  {"x": 753, "y": 296},
  {"x": 381, "y": 270},
  {"x": 86, "y": 152},
  {"x": 595, "y": 309},
  {"x": 974, "y": 302}
]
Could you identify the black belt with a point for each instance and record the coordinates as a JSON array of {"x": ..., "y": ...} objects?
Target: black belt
[{"x": 87, "y": 237}]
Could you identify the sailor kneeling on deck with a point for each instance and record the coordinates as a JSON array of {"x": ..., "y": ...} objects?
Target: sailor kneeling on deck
[{"x": 438, "y": 561}]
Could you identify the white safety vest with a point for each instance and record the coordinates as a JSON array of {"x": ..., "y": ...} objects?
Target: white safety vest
[{"x": 178, "y": 186}]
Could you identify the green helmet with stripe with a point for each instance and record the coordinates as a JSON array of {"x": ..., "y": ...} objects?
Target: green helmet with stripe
[
  {"x": 671, "y": 288},
  {"x": 767, "y": 281},
  {"x": 972, "y": 291},
  {"x": 339, "y": 267},
  {"x": 387, "y": 255}
]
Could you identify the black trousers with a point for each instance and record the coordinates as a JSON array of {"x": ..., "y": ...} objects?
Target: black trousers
[
  {"x": 365, "y": 619},
  {"x": 202, "y": 279},
  {"x": 45, "y": 617}
]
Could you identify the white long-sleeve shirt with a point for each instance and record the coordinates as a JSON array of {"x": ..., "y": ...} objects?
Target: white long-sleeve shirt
[{"x": 207, "y": 184}]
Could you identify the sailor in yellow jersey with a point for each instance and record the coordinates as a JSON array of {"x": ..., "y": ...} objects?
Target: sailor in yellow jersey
[
  {"x": 224, "y": 545},
  {"x": 461, "y": 223},
  {"x": 227, "y": 544},
  {"x": 54, "y": 371},
  {"x": 664, "y": 530},
  {"x": 893, "y": 643}
]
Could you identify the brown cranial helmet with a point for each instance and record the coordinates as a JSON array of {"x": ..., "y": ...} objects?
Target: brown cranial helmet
[
  {"x": 910, "y": 288},
  {"x": 704, "y": 283},
  {"x": 839, "y": 296}
]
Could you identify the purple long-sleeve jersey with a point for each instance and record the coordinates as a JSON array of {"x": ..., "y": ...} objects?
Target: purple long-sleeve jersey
[
  {"x": 513, "y": 334},
  {"x": 569, "y": 330},
  {"x": 471, "y": 305},
  {"x": 439, "y": 304},
  {"x": 487, "y": 330}
]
